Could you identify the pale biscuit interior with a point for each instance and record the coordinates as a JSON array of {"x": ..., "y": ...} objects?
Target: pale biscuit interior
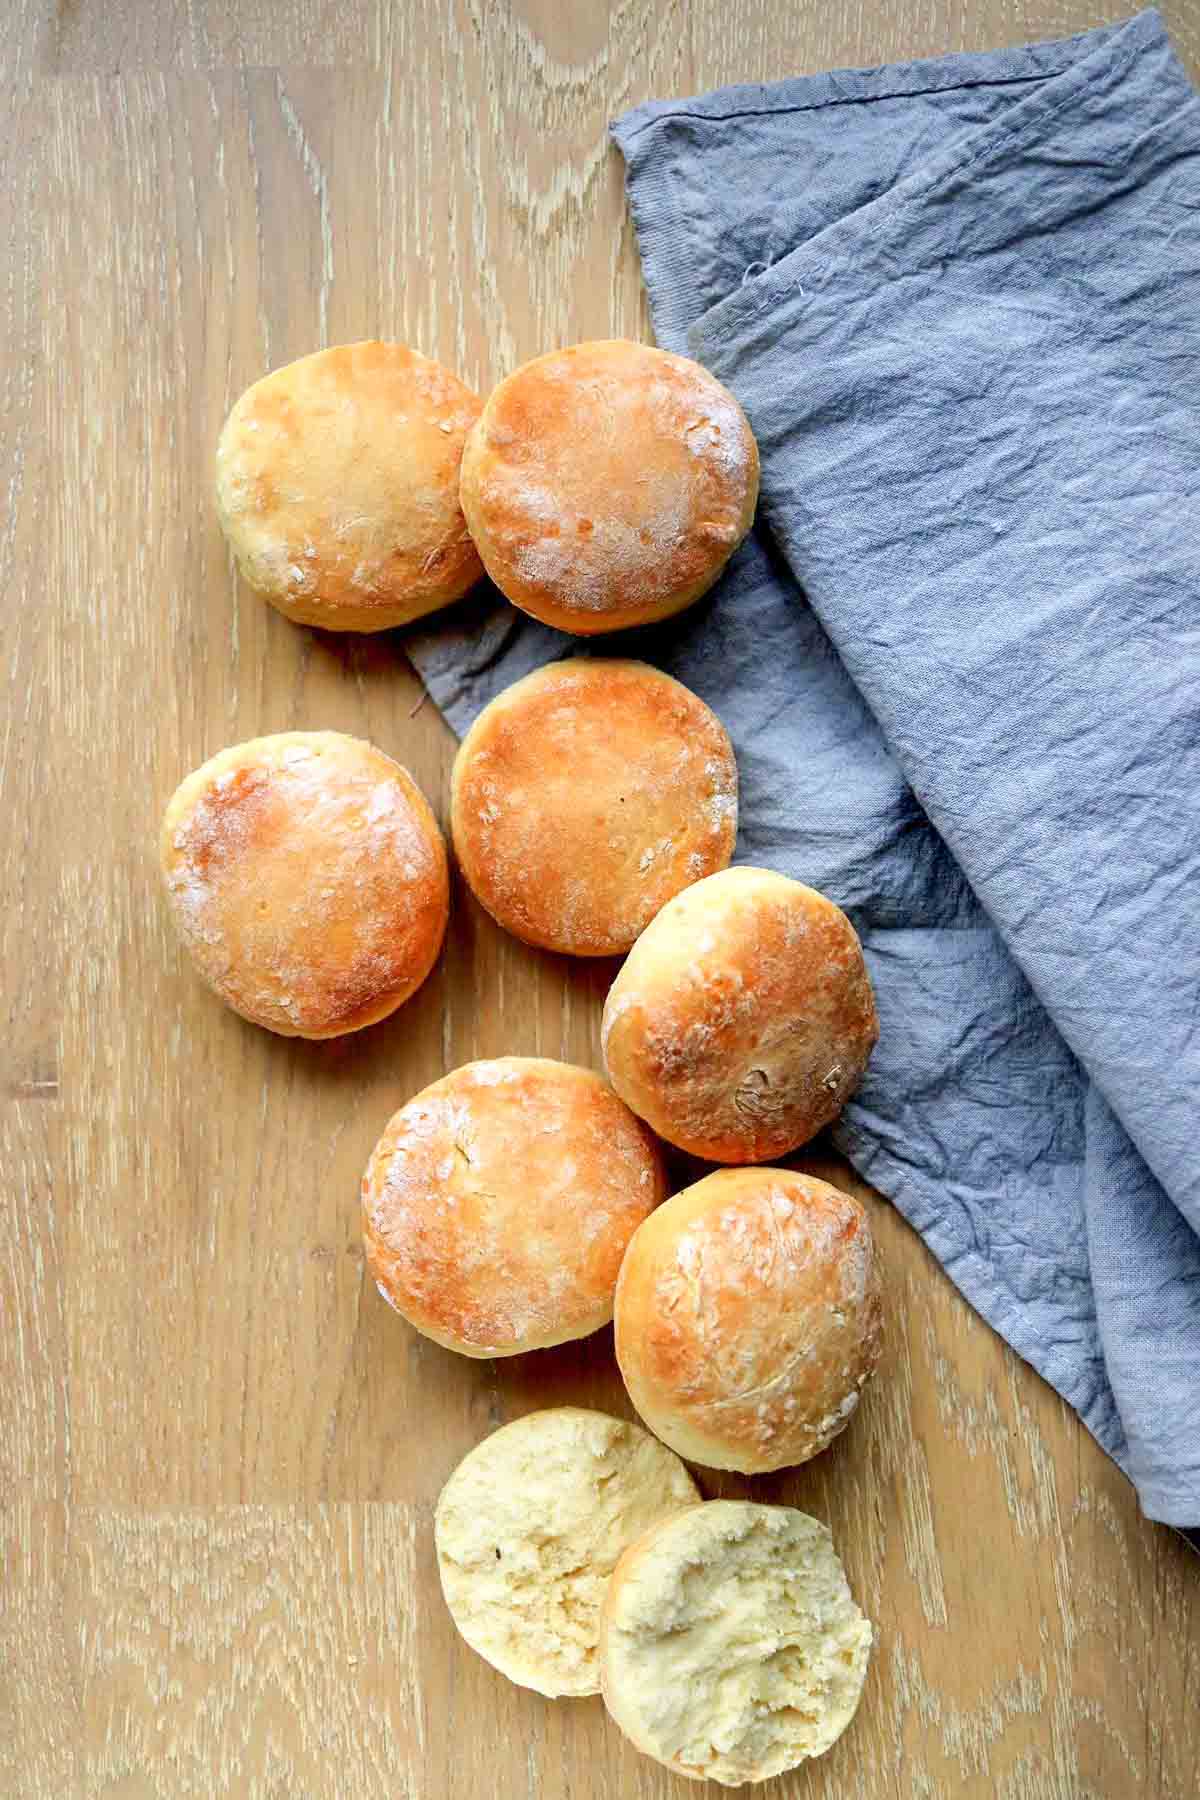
[
  {"x": 529, "y": 1528},
  {"x": 731, "y": 1647}
]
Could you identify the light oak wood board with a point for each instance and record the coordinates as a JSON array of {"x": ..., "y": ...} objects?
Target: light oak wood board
[{"x": 219, "y": 1451}]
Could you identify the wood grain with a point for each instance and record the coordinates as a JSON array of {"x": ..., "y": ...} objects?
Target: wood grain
[{"x": 218, "y": 1450}]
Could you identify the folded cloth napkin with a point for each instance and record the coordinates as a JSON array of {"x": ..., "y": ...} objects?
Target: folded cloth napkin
[{"x": 960, "y": 657}]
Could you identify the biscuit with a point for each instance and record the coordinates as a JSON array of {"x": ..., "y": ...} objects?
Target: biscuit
[
  {"x": 529, "y": 1527},
  {"x": 337, "y": 487},
  {"x": 498, "y": 1203},
  {"x": 731, "y": 1648},
  {"x": 749, "y": 1318},
  {"x": 743, "y": 1018},
  {"x": 308, "y": 879},
  {"x": 587, "y": 795},
  {"x": 608, "y": 485}
]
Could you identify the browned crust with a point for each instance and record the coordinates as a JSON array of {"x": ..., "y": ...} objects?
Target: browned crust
[
  {"x": 608, "y": 484},
  {"x": 586, "y": 796},
  {"x": 743, "y": 1018},
  {"x": 499, "y": 1201},
  {"x": 749, "y": 1317},
  {"x": 337, "y": 486},
  {"x": 308, "y": 879}
]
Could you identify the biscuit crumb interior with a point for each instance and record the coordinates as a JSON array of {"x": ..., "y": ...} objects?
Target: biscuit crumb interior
[
  {"x": 530, "y": 1527},
  {"x": 734, "y": 1649}
]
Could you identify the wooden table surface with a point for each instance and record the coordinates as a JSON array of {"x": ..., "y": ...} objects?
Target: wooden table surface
[{"x": 219, "y": 1451}]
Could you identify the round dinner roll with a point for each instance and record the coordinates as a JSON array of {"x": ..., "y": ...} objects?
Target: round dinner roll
[
  {"x": 498, "y": 1203},
  {"x": 337, "y": 487},
  {"x": 585, "y": 796},
  {"x": 608, "y": 485},
  {"x": 308, "y": 879},
  {"x": 529, "y": 1528},
  {"x": 743, "y": 1018},
  {"x": 749, "y": 1319},
  {"x": 731, "y": 1648}
]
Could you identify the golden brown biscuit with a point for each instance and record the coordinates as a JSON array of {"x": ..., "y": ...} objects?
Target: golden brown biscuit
[
  {"x": 748, "y": 1318},
  {"x": 337, "y": 487},
  {"x": 585, "y": 796},
  {"x": 742, "y": 1019},
  {"x": 731, "y": 1648},
  {"x": 498, "y": 1203},
  {"x": 308, "y": 879},
  {"x": 529, "y": 1528},
  {"x": 608, "y": 485}
]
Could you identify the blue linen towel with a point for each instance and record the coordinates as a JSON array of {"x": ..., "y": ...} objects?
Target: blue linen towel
[{"x": 960, "y": 656}]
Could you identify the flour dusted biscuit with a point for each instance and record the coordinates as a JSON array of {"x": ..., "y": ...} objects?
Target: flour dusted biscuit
[
  {"x": 337, "y": 487},
  {"x": 743, "y": 1018},
  {"x": 529, "y": 1527},
  {"x": 308, "y": 879},
  {"x": 748, "y": 1318},
  {"x": 498, "y": 1203},
  {"x": 608, "y": 484},
  {"x": 586, "y": 796},
  {"x": 731, "y": 1648}
]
